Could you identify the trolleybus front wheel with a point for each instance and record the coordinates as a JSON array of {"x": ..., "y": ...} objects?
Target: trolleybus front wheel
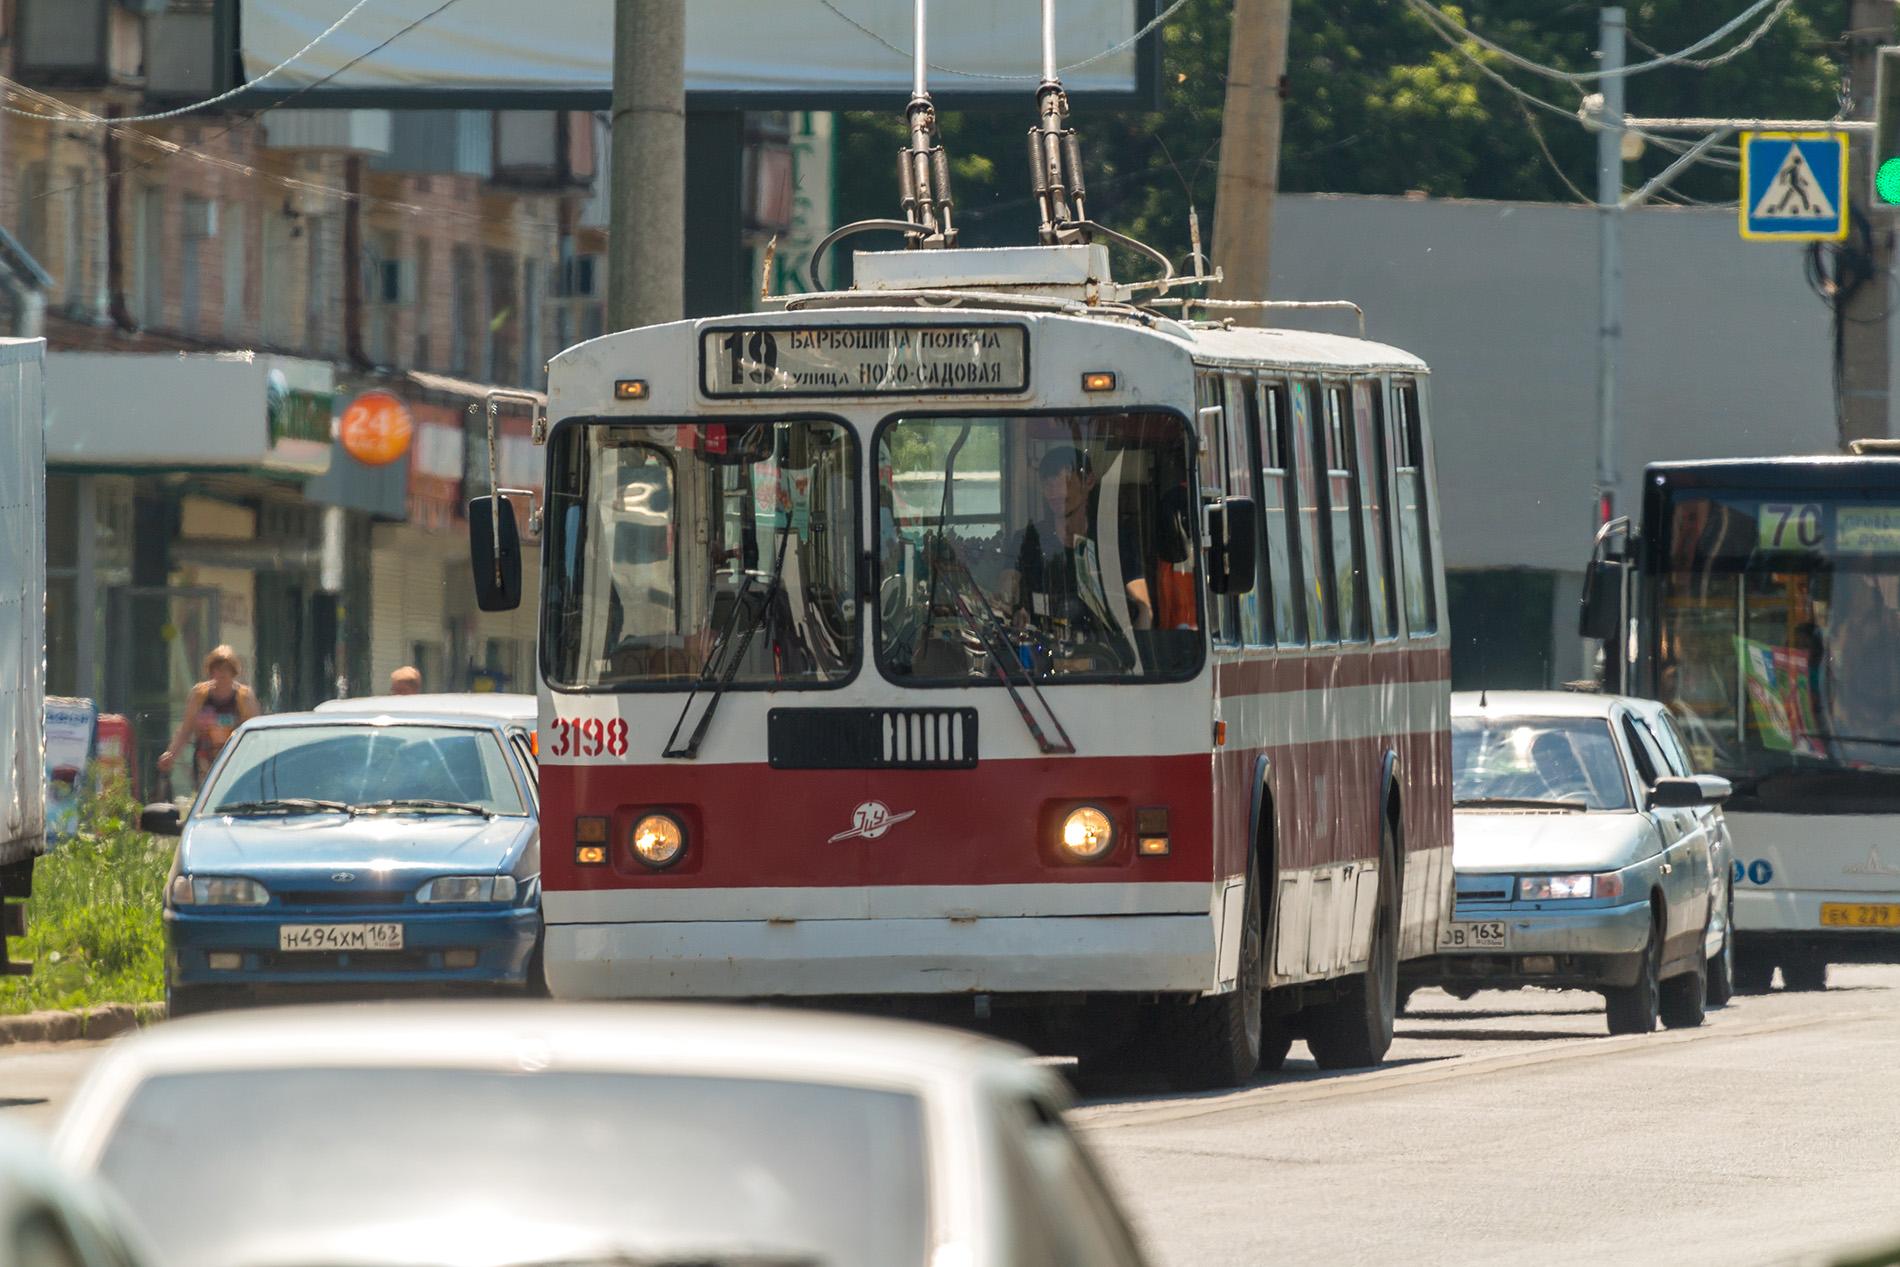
[{"x": 1217, "y": 1042}]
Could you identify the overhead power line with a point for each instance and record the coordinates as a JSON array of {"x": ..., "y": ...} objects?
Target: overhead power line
[
  {"x": 1682, "y": 57},
  {"x": 905, "y": 53},
  {"x": 206, "y": 104}
]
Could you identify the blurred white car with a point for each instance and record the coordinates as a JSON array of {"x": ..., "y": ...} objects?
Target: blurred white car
[
  {"x": 52, "y": 1219},
  {"x": 497, "y": 1134}
]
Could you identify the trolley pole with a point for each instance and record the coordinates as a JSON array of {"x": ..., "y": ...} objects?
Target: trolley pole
[
  {"x": 646, "y": 248},
  {"x": 1250, "y": 152},
  {"x": 1861, "y": 318},
  {"x": 1609, "y": 259}
]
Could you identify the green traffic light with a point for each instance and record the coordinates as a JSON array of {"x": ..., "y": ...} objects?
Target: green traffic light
[{"x": 1887, "y": 181}]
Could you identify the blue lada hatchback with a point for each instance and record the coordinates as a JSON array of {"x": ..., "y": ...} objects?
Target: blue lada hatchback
[{"x": 344, "y": 853}]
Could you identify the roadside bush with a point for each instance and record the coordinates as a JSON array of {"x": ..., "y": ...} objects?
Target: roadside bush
[{"x": 94, "y": 928}]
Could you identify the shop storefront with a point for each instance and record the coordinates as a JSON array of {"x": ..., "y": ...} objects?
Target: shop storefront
[{"x": 179, "y": 521}]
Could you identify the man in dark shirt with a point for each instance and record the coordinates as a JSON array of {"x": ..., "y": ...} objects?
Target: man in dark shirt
[{"x": 1056, "y": 580}]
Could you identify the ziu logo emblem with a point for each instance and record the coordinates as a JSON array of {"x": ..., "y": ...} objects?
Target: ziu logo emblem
[{"x": 871, "y": 820}]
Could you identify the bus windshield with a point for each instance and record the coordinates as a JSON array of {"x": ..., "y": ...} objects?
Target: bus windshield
[
  {"x": 1778, "y": 637},
  {"x": 715, "y": 549},
  {"x": 1068, "y": 541}
]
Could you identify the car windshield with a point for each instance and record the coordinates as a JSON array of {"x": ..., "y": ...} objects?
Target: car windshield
[
  {"x": 1072, "y": 538},
  {"x": 460, "y": 1167},
  {"x": 1554, "y": 760},
  {"x": 1778, "y": 643},
  {"x": 355, "y": 765},
  {"x": 716, "y": 549}
]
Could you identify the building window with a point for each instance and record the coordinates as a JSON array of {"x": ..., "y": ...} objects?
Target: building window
[
  {"x": 465, "y": 301},
  {"x": 531, "y": 301},
  {"x": 425, "y": 284},
  {"x": 500, "y": 282},
  {"x": 199, "y": 223},
  {"x": 279, "y": 300},
  {"x": 236, "y": 247},
  {"x": 149, "y": 242}
]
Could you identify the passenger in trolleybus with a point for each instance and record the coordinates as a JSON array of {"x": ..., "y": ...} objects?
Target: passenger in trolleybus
[{"x": 1040, "y": 537}]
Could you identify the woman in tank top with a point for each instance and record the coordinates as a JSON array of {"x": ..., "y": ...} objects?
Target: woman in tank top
[{"x": 215, "y": 708}]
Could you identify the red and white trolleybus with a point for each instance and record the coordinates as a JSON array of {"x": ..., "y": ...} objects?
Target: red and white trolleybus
[{"x": 981, "y": 633}]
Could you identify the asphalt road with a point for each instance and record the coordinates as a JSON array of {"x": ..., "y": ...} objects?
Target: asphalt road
[{"x": 1505, "y": 1129}]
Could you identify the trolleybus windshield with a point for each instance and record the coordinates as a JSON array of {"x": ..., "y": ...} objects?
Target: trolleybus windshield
[
  {"x": 1778, "y": 636},
  {"x": 1075, "y": 536},
  {"x": 675, "y": 547}
]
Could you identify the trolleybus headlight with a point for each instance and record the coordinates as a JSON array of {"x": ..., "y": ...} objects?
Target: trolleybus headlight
[
  {"x": 1087, "y": 833},
  {"x": 658, "y": 840}
]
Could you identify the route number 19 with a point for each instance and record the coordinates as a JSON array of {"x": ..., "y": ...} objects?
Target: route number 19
[{"x": 1789, "y": 525}]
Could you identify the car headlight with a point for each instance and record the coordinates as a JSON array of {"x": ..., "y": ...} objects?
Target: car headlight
[
  {"x": 659, "y": 840},
  {"x": 217, "y": 890},
  {"x": 1087, "y": 833},
  {"x": 1550, "y": 888},
  {"x": 468, "y": 888}
]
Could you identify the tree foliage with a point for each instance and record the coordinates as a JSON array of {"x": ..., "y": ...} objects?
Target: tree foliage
[{"x": 1377, "y": 104}]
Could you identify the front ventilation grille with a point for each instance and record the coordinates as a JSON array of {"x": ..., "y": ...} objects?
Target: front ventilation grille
[{"x": 871, "y": 738}]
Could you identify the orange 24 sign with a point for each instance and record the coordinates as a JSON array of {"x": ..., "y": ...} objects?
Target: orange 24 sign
[{"x": 375, "y": 429}]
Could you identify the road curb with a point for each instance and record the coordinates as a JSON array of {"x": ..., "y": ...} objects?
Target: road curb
[{"x": 90, "y": 1023}]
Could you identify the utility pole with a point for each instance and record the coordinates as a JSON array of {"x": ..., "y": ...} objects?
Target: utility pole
[
  {"x": 1861, "y": 311},
  {"x": 646, "y": 247},
  {"x": 1250, "y": 151},
  {"x": 1609, "y": 257}
]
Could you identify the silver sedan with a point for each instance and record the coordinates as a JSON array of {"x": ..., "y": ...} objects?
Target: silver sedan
[{"x": 1583, "y": 859}]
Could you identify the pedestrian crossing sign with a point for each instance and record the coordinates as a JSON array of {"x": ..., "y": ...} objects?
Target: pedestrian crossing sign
[{"x": 1794, "y": 186}]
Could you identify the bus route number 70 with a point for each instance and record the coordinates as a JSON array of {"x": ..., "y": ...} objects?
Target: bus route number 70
[{"x": 1789, "y": 526}]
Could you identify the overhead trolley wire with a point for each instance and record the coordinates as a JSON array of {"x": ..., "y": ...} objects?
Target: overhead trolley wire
[
  {"x": 323, "y": 35},
  {"x": 905, "y": 53}
]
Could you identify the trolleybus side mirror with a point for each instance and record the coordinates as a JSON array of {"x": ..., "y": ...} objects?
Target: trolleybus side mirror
[
  {"x": 494, "y": 550},
  {"x": 1233, "y": 529},
  {"x": 1602, "y": 608}
]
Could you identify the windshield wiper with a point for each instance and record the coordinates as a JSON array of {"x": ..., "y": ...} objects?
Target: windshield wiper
[
  {"x": 728, "y": 666},
  {"x": 283, "y": 805},
  {"x": 1516, "y": 802},
  {"x": 982, "y": 622},
  {"x": 423, "y": 802}
]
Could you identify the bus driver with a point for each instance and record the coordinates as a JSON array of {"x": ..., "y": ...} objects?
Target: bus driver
[{"x": 1054, "y": 582}]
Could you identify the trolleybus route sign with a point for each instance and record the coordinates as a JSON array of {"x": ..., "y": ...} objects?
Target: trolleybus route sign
[{"x": 864, "y": 360}]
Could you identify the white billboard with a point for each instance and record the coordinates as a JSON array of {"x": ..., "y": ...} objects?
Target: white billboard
[{"x": 792, "y": 52}]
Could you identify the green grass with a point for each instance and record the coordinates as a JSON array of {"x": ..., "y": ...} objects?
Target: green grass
[{"x": 94, "y": 932}]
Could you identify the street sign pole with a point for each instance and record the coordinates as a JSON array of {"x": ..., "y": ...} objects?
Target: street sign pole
[{"x": 1609, "y": 259}]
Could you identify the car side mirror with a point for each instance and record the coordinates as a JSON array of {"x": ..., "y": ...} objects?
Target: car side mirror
[
  {"x": 1233, "y": 529},
  {"x": 1689, "y": 793},
  {"x": 161, "y": 819},
  {"x": 494, "y": 551},
  {"x": 1601, "y": 612}
]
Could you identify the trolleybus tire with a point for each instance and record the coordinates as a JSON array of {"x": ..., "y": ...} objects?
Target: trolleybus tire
[
  {"x": 1684, "y": 999},
  {"x": 1634, "y": 1009},
  {"x": 1216, "y": 1042},
  {"x": 1354, "y": 1030},
  {"x": 182, "y": 1001},
  {"x": 1754, "y": 970},
  {"x": 1804, "y": 970}
]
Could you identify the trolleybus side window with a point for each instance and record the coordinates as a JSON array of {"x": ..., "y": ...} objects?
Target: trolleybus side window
[
  {"x": 1315, "y": 553},
  {"x": 674, "y": 546},
  {"x": 1343, "y": 510},
  {"x": 1083, "y": 565},
  {"x": 1368, "y": 411},
  {"x": 1223, "y": 610},
  {"x": 1415, "y": 538},
  {"x": 1280, "y": 559},
  {"x": 1240, "y": 480}
]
